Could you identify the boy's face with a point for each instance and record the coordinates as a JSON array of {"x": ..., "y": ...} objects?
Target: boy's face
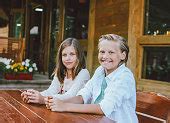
[
  {"x": 110, "y": 55},
  {"x": 69, "y": 57}
]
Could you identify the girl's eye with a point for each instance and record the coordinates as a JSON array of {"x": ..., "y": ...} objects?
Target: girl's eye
[
  {"x": 64, "y": 55},
  {"x": 72, "y": 54}
]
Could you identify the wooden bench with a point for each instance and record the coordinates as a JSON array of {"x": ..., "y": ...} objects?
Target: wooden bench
[{"x": 152, "y": 108}]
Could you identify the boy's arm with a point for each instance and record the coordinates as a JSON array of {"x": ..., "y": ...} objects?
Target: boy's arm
[
  {"x": 74, "y": 104},
  {"x": 75, "y": 99},
  {"x": 83, "y": 108}
]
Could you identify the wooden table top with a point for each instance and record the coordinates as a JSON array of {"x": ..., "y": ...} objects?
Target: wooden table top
[{"x": 13, "y": 109}]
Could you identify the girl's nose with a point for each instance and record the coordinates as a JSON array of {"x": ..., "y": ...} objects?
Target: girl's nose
[{"x": 68, "y": 57}]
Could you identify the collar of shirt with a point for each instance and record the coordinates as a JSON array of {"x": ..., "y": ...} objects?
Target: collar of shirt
[
  {"x": 115, "y": 73},
  {"x": 101, "y": 74}
]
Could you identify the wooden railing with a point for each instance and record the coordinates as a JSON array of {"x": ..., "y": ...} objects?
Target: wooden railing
[{"x": 12, "y": 48}]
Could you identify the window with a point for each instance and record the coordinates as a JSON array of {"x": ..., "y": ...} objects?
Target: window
[
  {"x": 76, "y": 18},
  {"x": 154, "y": 44},
  {"x": 157, "y": 17},
  {"x": 156, "y": 63}
]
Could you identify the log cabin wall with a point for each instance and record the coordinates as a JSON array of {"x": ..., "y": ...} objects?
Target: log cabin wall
[
  {"x": 126, "y": 18},
  {"x": 111, "y": 16},
  {"x": 137, "y": 41}
]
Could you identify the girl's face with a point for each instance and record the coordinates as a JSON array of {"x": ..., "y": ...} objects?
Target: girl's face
[
  {"x": 69, "y": 57},
  {"x": 110, "y": 55}
]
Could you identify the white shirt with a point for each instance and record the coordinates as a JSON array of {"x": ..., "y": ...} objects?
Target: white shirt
[
  {"x": 70, "y": 87},
  {"x": 119, "y": 103}
]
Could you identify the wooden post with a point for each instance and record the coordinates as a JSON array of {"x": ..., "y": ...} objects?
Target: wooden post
[
  {"x": 135, "y": 30},
  {"x": 61, "y": 4},
  {"x": 91, "y": 30},
  {"x": 27, "y": 28}
]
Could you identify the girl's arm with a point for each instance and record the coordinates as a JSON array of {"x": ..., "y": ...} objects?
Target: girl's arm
[
  {"x": 33, "y": 96},
  {"x": 78, "y": 84},
  {"x": 53, "y": 89}
]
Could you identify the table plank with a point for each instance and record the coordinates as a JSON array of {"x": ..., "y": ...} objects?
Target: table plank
[{"x": 12, "y": 103}]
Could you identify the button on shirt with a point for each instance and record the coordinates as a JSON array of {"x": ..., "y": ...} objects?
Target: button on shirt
[{"x": 119, "y": 102}]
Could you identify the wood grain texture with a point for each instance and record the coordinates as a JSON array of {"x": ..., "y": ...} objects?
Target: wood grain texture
[
  {"x": 111, "y": 16},
  {"x": 13, "y": 109},
  {"x": 137, "y": 40},
  {"x": 91, "y": 31},
  {"x": 152, "y": 108}
]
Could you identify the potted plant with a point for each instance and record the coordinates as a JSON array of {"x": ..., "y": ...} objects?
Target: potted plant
[{"x": 19, "y": 70}]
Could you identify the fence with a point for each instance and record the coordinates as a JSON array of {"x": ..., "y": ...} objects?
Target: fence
[{"x": 12, "y": 48}]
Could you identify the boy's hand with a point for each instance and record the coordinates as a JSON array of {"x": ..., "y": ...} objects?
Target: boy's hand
[{"x": 57, "y": 105}]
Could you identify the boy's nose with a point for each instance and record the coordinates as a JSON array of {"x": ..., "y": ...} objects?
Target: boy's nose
[{"x": 105, "y": 55}]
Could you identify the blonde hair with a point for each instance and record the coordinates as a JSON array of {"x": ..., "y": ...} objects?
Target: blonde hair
[{"x": 122, "y": 41}]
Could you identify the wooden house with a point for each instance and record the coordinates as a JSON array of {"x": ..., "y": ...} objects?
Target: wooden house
[
  {"x": 42, "y": 25},
  {"x": 35, "y": 28}
]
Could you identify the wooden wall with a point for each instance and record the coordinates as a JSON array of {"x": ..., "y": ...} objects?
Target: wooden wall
[
  {"x": 111, "y": 16},
  {"x": 136, "y": 42},
  {"x": 4, "y": 31}
]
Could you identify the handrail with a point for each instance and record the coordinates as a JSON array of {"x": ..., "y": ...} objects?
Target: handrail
[
  {"x": 13, "y": 48},
  {"x": 11, "y": 38}
]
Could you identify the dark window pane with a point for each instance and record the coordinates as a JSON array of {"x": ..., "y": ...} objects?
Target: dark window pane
[
  {"x": 157, "y": 17},
  {"x": 76, "y": 18},
  {"x": 156, "y": 63},
  {"x": 54, "y": 36}
]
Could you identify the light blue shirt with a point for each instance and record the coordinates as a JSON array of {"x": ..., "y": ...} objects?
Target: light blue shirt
[{"x": 119, "y": 103}]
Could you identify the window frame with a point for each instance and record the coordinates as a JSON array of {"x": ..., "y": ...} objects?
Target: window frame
[{"x": 151, "y": 41}]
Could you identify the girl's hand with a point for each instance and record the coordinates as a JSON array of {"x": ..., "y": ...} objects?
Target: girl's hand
[
  {"x": 57, "y": 105},
  {"x": 24, "y": 96},
  {"x": 35, "y": 97},
  {"x": 46, "y": 100}
]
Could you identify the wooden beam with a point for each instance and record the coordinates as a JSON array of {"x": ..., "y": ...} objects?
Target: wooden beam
[
  {"x": 91, "y": 30},
  {"x": 61, "y": 5},
  {"x": 27, "y": 28},
  {"x": 47, "y": 30},
  {"x": 135, "y": 30}
]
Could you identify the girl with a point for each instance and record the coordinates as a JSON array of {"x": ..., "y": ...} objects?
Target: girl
[
  {"x": 111, "y": 91},
  {"x": 70, "y": 74}
]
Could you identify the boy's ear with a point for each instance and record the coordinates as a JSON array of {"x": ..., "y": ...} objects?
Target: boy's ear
[{"x": 123, "y": 56}]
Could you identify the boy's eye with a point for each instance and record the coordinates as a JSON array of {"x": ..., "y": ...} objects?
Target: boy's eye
[
  {"x": 111, "y": 52},
  {"x": 101, "y": 51}
]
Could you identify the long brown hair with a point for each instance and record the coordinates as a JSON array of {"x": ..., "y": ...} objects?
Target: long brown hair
[{"x": 60, "y": 70}]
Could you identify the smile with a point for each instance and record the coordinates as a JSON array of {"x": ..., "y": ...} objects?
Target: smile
[
  {"x": 106, "y": 61},
  {"x": 68, "y": 63}
]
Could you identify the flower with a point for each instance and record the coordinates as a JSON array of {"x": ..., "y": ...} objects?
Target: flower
[{"x": 9, "y": 66}]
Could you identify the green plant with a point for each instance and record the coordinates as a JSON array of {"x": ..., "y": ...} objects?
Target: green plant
[{"x": 9, "y": 66}]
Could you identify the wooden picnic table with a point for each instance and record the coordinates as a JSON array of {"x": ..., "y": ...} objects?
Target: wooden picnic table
[{"x": 13, "y": 109}]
